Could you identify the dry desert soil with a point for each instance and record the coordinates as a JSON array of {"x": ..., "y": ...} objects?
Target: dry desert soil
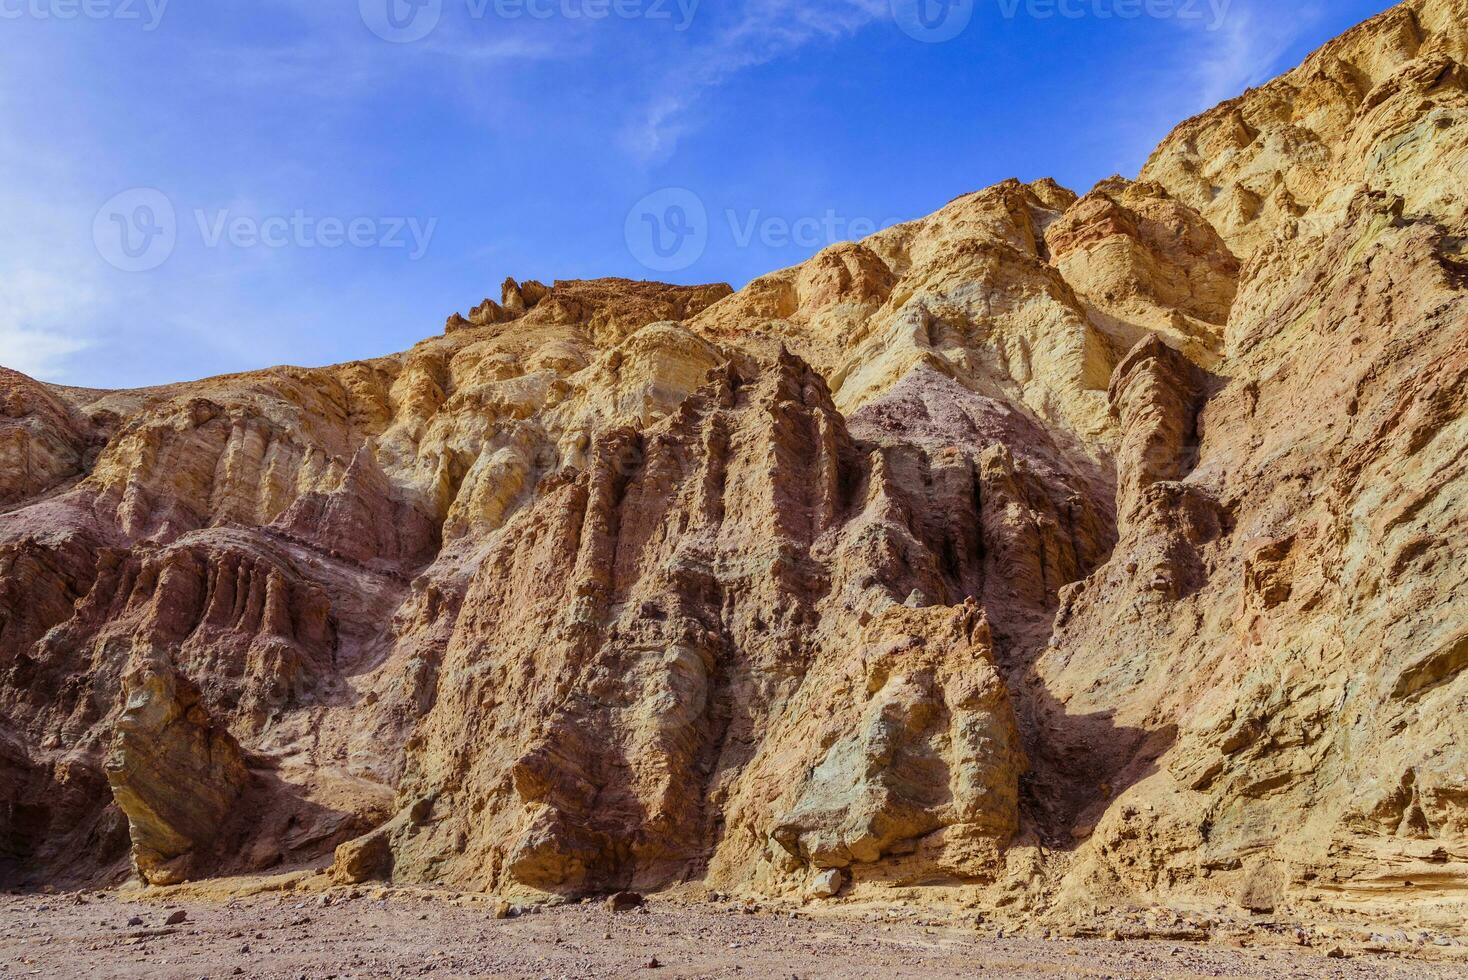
[{"x": 376, "y": 933}]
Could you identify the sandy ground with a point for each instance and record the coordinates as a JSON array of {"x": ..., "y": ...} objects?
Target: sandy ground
[{"x": 356, "y": 934}]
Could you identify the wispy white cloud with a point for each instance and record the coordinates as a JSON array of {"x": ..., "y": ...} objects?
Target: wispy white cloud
[
  {"x": 40, "y": 354},
  {"x": 48, "y": 288},
  {"x": 1245, "y": 48},
  {"x": 296, "y": 64},
  {"x": 35, "y": 308},
  {"x": 357, "y": 64},
  {"x": 495, "y": 50},
  {"x": 761, "y": 31},
  {"x": 1204, "y": 62}
]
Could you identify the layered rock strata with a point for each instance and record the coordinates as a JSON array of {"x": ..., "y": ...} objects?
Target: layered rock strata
[{"x": 1048, "y": 553}]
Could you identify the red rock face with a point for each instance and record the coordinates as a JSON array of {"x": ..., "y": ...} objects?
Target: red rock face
[
  {"x": 640, "y": 652},
  {"x": 1047, "y": 553},
  {"x": 44, "y": 442}
]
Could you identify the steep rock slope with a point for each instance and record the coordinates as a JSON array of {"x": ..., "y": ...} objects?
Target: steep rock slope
[{"x": 1048, "y": 553}]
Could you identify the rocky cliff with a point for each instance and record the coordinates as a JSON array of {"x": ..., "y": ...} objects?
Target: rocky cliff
[{"x": 1047, "y": 554}]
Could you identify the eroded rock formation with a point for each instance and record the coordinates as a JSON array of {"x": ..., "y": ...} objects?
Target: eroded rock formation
[
  {"x": 175, "y": 774},
  {"x": 1048, "y": 553}
]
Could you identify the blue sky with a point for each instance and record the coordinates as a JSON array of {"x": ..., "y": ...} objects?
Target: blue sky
[{"x": 339, "y": 185}]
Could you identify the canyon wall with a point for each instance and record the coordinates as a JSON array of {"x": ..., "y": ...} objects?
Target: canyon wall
[{"x": 1045, "y": 554}]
